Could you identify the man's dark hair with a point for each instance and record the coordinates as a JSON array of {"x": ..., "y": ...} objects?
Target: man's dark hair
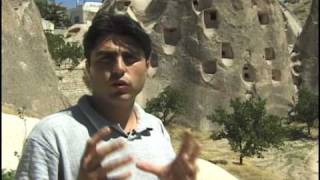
[{"x": 104, "y": 24}]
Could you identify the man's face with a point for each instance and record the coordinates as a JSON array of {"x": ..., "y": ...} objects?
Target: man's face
[{"x": 117, "y": 69}]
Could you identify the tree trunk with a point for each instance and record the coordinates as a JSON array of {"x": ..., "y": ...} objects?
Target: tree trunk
[
  {"x": 309, "y": 132},
  {"x": 241, "y": 159}
]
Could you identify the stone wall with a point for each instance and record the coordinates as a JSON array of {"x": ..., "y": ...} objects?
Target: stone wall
[{"x": 71, "y": 83}]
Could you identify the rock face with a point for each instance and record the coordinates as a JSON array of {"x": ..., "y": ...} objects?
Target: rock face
[
  {"x": 28, "y": 75},
  {"x": 305, "y": 55},
  {"x": 215, "y": 51}
]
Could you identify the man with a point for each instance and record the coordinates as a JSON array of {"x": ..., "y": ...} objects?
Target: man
[{"x": 65, "y": 145}]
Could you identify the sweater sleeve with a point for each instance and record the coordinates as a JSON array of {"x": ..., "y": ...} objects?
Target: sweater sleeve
[{"x": 38, "y": 161}]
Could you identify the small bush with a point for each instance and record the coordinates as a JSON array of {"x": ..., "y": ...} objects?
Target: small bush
[
  {"x": 167, "y": 105},
  {"x": 61, "y": 51},
  {"x": 7, "y": 174},
  {"x": 249, "y": 129}
]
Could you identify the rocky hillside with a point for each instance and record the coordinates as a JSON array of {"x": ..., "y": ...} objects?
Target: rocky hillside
[
  {"x": 305, "y": 55},
  {"x": 300, "y": 8},
  {"x": 215, "y": 51},
  {"x": 28, "y": 73}
]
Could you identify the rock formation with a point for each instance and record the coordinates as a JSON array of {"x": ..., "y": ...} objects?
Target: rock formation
[
  {"x": 214, "y": 51},
  {"x": 305, "y": 54},
  {"x": 28, "y": 72}
]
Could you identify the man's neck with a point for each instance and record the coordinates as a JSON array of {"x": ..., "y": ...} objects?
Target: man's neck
[{"x": 118, "y": 113}]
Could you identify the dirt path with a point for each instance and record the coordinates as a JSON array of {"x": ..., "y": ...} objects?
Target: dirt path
[{"x": 313, "y": 163}]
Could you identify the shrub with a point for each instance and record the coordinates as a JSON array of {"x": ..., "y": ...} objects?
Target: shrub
[
  {"x": 61, "y": 51},
  {"x": 167, "y": 105},
  {"x": 307, "y": 108},
  {"x": 56, "y": 13},
  {"x": 7, "y": 174},
  {"x": 249, "y": 129}
]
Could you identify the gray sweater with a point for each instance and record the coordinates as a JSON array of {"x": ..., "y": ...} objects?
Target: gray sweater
[{"x": 55, "y": 146}]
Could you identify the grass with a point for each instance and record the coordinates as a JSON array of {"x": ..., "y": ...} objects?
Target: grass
[{"x": 280, "y": 164}]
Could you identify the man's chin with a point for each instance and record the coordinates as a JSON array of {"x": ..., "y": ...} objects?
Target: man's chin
[{"x": 123, "y": 97}]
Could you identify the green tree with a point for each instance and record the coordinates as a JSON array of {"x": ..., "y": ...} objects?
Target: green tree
[
  {"x": 167, "y": 105},
  {"x": 56, "y": 13},
  {"x": 61, "y": 50},
  {"x": 7, "y": 174},
  {"x": 249, "y": 129},
  {"x": 307, "y": 108}
]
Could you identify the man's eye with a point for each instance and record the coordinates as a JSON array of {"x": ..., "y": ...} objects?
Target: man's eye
[
  {"x": 130, "y": 58},
  {"x": 106, "y": 59}
]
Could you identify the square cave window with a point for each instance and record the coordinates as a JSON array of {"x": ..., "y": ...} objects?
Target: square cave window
[
  {"x": 249, "y": 74},
  {"x": 254, "y": 2},
  {"x": 211, "y": 18},
  {"x": 269, "y": 53},
  {"x": 276, "y": 75},
  {"x": 195, "y": 4},
  {"x": 297, "y": 68},
  {"x": 127, "y": 3},
  {"x": 263, "y": 18},
  {"x": 297, "y": 80},
  {"x": 171, "y": 36},
  {"x": 226, "y": 51},
  {"x": 209, "y": 67}
]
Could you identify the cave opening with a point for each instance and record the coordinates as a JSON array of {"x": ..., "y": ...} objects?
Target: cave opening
[
  {"x": 209, "y": 67},
  {"x": 226, "y": 50},
  {"x": 171, "y": 36},
  {"x": 276, "y": 75},
  {"x": 269, "y": 53},
  {"x": 263, "y": 17},
  {"x": 211, "y": 18}
]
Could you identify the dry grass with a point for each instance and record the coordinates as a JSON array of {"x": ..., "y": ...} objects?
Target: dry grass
[{"x": 277, "y": 164}]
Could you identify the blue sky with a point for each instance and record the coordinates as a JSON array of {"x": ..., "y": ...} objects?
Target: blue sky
[{"x": 72, "y": 3}]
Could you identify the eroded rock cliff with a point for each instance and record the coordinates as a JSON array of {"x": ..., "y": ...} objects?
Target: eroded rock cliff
[
  {"x": 27, "y": 69},
  {"x": 215, "y": 51}
]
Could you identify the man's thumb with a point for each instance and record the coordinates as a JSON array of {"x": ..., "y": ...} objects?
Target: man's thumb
[{"x": 151, "y": 168}]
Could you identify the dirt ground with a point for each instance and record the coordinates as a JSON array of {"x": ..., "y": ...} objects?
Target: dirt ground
[{"x": 296, "y": 160}]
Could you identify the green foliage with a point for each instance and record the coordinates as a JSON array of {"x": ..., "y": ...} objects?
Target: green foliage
[
  {"x": 7, "y": 174},
  {"x": 61, "y": 50},
  {"x": 307, "y": 108},
  {"x": 169, "y": 103},
  {"x": 249, "y": 129},
  {"x": 56, "y": 13}
]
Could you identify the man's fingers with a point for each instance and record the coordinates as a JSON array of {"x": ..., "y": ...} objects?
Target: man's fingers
[
  {"x": 90, "y": 151},
  {"x": 117, "y": 145},
  {"x": 97, "y": 137},
  {"x": 118, "y": 163},
  {"x": 195, "y": 152},
  {"x": 189, "y": 168},
  {"x": 186, "y": 143},
  {"x": 151, "y": 168}
]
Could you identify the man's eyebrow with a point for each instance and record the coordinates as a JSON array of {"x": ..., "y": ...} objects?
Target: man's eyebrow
[{"x": 105, "y": 52}]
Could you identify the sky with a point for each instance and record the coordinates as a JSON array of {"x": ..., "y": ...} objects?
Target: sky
[{"x": 72, "y": 3}]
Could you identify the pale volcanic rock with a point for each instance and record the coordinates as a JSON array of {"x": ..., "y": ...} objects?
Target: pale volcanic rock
[
  {"x": 215, "y": 51},
  {"x": 28, "y": 73}
]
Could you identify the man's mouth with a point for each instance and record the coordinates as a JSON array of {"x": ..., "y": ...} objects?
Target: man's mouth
[{"x": 121, "y": 85}]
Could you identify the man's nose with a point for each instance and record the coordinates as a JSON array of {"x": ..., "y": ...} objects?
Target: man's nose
[{"x": 119, "y": 66}]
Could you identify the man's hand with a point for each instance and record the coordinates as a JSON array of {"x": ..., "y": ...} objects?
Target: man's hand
[
  {"x": 182, "y": 168},
  {"x": 91, "y": 168}
]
